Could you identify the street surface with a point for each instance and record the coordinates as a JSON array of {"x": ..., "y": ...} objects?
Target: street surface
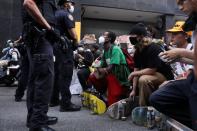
[{"x": 13, "y": 117}]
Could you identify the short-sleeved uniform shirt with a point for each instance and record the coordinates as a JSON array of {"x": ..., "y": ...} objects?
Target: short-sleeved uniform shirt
[
  {"x": 148, "y": 58},
  {"x": 65, "y": 21}
]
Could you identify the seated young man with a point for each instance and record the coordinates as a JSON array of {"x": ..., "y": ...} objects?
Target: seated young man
[
  {"x": 114, "y": 71},
  {"x": 149, "y": 70},
  {"x": 180, "y": 40},
  {"x": 178, "y": 99}
]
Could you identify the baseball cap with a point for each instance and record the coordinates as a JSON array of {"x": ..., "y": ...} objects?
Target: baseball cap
[
  {"x": 178, "y": 27},
  {"x": 138, "y": 29}
]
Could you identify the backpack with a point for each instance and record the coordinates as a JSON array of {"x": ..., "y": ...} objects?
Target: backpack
[{"x": 129, "y": 60}]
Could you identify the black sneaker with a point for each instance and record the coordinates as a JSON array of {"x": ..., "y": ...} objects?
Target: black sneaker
[{"x": 69, "y": 108}]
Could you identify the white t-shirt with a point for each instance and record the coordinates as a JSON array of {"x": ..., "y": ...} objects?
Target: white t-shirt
[{"x": 182, "y": 68}]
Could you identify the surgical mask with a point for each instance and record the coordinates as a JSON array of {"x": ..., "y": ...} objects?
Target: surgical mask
[
  {"x": 72, "y": 9},
  {"x": 129, "y": 50},
  {"x": 10, "y": 43},
  {"x": 101, "y": 40},
  {"x": 133, "y": 40}
]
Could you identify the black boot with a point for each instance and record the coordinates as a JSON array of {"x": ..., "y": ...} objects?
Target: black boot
[
  {"x": 69, "y": 107},
  {"x": 50, "y": 121}
]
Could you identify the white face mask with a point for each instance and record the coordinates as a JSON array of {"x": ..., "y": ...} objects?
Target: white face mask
[
  {"x": 101, "y": 40},
  {"x": 72, "y": 9},
  {"x": 130, "y": 50}
]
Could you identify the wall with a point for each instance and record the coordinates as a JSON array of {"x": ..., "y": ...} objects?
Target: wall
[
  {"x": 161, "y": 6},
  {"x": 10, "y": 19},
  {"x": 97, "y": 27}
]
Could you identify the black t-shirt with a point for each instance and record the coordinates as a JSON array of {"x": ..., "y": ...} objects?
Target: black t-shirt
[{"x": 148, "y": 58}]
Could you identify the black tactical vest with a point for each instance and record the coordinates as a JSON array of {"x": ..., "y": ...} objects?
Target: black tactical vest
[{"x": 47, "y": 8}]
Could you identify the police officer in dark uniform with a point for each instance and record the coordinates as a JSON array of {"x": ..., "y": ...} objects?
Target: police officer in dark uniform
[
  {"x": 37, "y": 31},
  {"x": 24, "y": 67},
  {"x": 64, "y": 58}
]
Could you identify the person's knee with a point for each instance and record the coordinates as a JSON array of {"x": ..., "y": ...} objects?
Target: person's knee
[
  {"x": 153, "y": 98},
  {"x": 143, "y": 80}
]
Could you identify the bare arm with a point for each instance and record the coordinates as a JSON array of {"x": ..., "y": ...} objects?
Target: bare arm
[
  {"x": 73, "y": 34},
  {"x": 147, "y": 71},
  {"x": 187, "y": 54},
  {"x": 187, "y": 61},
  {"x": 33, "y": 10},
  {"x": 177, "y": 53}
]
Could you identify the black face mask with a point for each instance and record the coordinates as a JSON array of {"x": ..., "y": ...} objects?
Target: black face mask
[{"x": 133, "y": 40}]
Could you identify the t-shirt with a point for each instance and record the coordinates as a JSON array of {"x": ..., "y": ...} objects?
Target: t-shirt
[
  {"x": 114, "y": 56},
  {"x": 182, "y": 68},
  {"x": 148, "y": 58}
]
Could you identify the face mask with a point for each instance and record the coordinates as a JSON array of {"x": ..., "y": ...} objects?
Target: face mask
[
  {"x": 10, "y": 43},
  {"x": 101, "y": 40},
  {"x": 133, "y": 40},
  {"x": 72, "y": 9},
  {"x": 130, "y": 50}
]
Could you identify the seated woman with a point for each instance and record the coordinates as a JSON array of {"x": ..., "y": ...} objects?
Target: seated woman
[{"x": 114, "y": 71}]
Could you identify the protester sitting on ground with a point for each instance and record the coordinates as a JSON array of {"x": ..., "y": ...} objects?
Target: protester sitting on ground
[
  {"x": 180, "y": 40},
  {"x": 177, "y": 99},
  {"x": 85, "y": 59},
  {"x": 113, "y": 72},
  {"x": 149, "y": 70}
]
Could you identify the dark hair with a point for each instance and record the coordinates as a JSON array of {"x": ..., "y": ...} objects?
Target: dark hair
[
  {"x": 112, "y": 36},
  {"x": 95, "y": 46},
  {"x": 139, "y": 29}
]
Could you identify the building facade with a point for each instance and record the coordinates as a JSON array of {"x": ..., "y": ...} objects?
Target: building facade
[{"x": 97, "y": 16}]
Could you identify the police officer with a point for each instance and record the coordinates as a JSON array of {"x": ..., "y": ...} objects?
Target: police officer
[
  {"x": 24, "y": 66},
  {"x": 39, "y": 19},
  {"x": 64, "y": 58}
]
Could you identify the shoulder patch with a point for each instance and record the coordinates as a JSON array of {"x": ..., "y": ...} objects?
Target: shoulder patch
[{"x": 70, "y": 17}]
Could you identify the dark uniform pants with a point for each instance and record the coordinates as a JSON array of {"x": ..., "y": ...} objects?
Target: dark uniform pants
[
  {"x": 178, "y": 99},
  {"x": 63, "y": 78},
  {"x": 23, "y": 80},
  {"x": 39, "y": 88}
]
